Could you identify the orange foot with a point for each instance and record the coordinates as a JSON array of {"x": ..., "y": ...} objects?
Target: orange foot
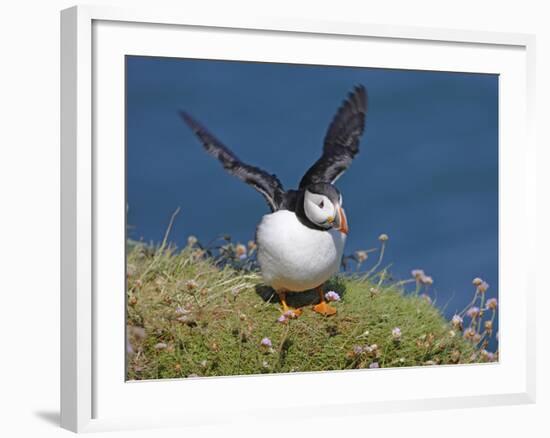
[
  {"x": 288, "y": 311},
  {"x": 324, "y": 309},
  {"x": 291, "y": 313}
]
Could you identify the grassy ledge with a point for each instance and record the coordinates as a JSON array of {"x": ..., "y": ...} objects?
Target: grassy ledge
[{"x": 188, "y": 316}]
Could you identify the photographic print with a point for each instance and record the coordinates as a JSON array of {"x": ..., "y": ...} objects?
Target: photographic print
[{"x": 292, "y": 218}]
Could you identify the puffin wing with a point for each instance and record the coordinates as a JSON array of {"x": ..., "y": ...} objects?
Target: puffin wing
[
  {"x": 268, "y": 185},
  {"x": 341, "y": 140}
]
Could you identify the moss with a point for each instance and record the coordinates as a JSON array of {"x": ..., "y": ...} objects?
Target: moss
[{"x": 187, "y": 317}]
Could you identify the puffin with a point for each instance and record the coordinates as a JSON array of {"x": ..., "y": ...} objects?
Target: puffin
[{"x": 301, "y": 241}]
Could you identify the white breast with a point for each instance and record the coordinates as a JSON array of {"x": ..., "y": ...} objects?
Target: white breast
[{"x": 294, "y": 257}]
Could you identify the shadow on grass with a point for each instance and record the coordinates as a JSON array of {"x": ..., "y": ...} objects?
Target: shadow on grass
[{"x": 301, "y": 299}]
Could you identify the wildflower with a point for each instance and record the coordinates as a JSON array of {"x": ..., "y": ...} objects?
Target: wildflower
[
  {"x": 383, "y": 237},
  {"x": 292, "y": 314},
  {"x": 374, "y": 365},
  {"x": 396, "y": 333},
  {"x": 375, "y": 351},
  {"x": 426, "y": 280},
  {"x": 129, "y": 348},
  {"x": 266, "y": 342},
  {"x": 488, "y": 325},
  {"x": 191, "y": 285},
  {"x": 240, "y": 251},
  {"x": 181, "y": 310},
  {"x": 282, "y": 319},
  {"x": 476, "y": 338},
  {"x": 457, "y": 321},
  {"x": 192, "y": 241},
  {"x": 357, "y": 350},
  {"x": 130, "y": 270},
  {"x": 252, "y": 245},
  {"x": 417, "y": 273},
  {"x": 160, "y": 346},
  {"x": 491, "y": 303},
  {"x": 482, "y": 287},
  {"x": 469, "y": 333},
  {"x": 477, "y": 281},
  {"x": 332, "y": 296},
  {"x": 473, "y": 312},
  {"x": 361, "y": 256}
]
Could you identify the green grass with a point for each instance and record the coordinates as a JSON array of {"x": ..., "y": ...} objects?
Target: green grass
[{"x": 186, "y": 317}]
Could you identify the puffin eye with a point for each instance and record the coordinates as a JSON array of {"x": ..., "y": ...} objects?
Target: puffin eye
[{"x": 322, "y": 204}]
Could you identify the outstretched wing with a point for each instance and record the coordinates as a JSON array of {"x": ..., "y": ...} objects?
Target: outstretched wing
[
  {"x": 268, "y": 185},
  {"x": 341, "y": 141}
]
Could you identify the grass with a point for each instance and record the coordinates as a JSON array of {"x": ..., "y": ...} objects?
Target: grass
[{"x": 189, "y": 314}]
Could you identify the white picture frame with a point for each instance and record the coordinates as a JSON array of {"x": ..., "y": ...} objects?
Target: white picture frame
[{"x": 94, "y": 397}]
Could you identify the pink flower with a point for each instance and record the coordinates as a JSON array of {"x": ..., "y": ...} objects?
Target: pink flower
[
  {"x": 266, "y": 342},
  {"x": 332, "y": 296},
  {"x": 396, "y": 333}
]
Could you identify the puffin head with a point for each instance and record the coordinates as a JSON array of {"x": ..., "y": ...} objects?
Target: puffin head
[{"x": 323, "y": 207}]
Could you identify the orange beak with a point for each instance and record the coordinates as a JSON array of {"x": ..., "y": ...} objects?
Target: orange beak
[{"x": 341, "y": 223}]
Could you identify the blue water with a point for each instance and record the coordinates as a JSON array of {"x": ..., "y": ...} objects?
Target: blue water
[{"x": 427, "y": 173}]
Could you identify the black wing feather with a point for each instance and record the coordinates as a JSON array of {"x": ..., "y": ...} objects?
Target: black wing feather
[
  {"x": 341, "y": 140},
  {"x": 268, "y": 185}
]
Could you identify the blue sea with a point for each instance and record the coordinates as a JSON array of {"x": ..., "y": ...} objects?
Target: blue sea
[{"x": 426, "y": 175}]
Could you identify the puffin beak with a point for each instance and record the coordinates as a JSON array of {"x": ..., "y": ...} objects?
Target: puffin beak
[{"x": 341, "y": 222}]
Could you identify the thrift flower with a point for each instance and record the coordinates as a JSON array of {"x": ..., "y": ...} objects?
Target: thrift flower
[
  {"x": 396, "y": 333},
  {"x": 491, "y": 303},
  {"x": 477, "y": 281},
  {"x": 383, "y": 237},
  {"x": 361, "y": 256},
  {"x": 282, "y": 319},
  {"x": 457, "y": 321},
  {"x": 417, "y": 273},
  {"x": 181, "y": 310},
  {"x": 469, "y": 333},
  {"x": 240, "y": 251},
  {"x": 357, "y": 350},
  {"x": 426, "y": 279},
  {"x": 473, "y": 312},
  {"x": 192, "y": 240},
  {"x": 266, "y": 342},
  {"x": 482, "y": 287},
  {"x": 129, "y": 348},
  {"x": 332, "y": 296}
]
